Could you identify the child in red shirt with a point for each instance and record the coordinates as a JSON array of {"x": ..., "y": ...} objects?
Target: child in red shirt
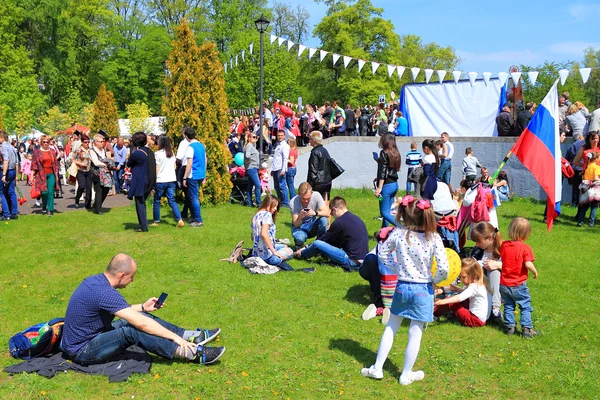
[{"x": 517, "y": 260}]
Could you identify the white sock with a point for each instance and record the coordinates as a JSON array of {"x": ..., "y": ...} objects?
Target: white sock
[
  {"x": 415, "y": 332},
  {"x": 387, "y": 340}
]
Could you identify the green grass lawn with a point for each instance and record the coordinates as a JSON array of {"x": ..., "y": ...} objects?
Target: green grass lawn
[{"x": 297, "y": 335}]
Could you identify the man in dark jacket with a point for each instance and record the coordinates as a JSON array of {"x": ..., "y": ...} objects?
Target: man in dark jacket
[
  {"x": 505, "y": 122},
  {"x": 319, "y": 170},
  {"x": 350, "y": 121},
  {"x": 363, "y": 122},
  {"x": 524, "y": 117}
]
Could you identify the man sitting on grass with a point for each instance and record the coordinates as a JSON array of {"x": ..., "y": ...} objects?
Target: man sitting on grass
[
  {"x": 309, "y": 214},
  {"x": 90, "y": 336},
  {"x": 346, "y": 243}
]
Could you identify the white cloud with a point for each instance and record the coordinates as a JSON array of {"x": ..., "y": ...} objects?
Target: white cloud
[
  {"x": 572, "y": 49},
  {"x": 582, "y": 11}
]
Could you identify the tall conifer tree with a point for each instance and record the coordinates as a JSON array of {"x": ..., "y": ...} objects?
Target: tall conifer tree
[
  {"x": 105, "y": 113},
  {"x": 197, "y": 98}
]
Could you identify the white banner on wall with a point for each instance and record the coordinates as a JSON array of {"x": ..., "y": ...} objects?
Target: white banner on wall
[{"x": 460, "y": 109}]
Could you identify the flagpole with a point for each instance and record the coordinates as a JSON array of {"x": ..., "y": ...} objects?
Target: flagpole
[{"x": 493, "y": 178}]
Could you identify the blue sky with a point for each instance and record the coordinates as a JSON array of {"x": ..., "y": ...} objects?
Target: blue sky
[{"x": 489, "y": 35}]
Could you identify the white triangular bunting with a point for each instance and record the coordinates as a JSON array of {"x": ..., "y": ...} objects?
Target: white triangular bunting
[
  {"x": 391, "y": 69},
  {"x": 280, "y": 40},
  {"x": 336, "y": 57},
  {"x": 486, "y": 77},
  {"x": 290, "y": 45},
  {"x": 311, "y": 52},
  {"x": 347, "y": 61},
  {"x": 236, "y": 60},
  {"x": 361, "y": 64},
  {"x": 273, "y": 38},
  {"x": 301, "y": 49},
  {"x": 563, "y": 73},
  {"x": 231, "y": 62},
  {"x": 225, "y": 66},
  {"x": 532, "y": 77},
  {"x": 456, "y": 75},
  {"x": 503, "y": 76},
  {"x": 441, "y": 74},
  {"x": 585, "y": 74},
  {"x": 516, "y": 76},
  {"x": 251, "y": 47},
  {"x": 428, "y": 74},
  {"x": 472, "y": 76},
  {"x": 374, "y": 66},
  {"x": 243, "y": 55},
  {"x": 322, "y": 54},
  {"x": 415, "y": 72},
  {"x": 401, "y": 70}
]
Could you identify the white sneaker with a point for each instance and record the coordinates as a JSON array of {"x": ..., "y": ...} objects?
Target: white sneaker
[
  {"x": 371, "y": 372},
  {"x": 386, "y": 316},
  {"x": 414, "y": 376},
  {"x": 370, "y": 312}
]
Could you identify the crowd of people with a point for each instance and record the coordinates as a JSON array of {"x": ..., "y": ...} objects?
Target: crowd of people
[{"x": 417, "y": 229}]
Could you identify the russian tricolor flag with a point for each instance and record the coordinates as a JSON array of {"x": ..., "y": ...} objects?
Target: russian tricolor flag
[{"x": 538, "y": 148}]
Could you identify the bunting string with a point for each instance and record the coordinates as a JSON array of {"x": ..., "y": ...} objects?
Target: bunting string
[{"x": 393, "y": 70}]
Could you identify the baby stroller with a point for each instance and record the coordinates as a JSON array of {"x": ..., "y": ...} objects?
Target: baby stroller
[{"x": 240, "y": 186}]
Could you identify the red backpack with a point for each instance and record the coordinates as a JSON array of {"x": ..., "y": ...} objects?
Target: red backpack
[{"x": 479, "y": 208}]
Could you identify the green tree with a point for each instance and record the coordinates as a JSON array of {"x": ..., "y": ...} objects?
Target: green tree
[
  {"x": 54, "y": 120},
  {"x": 1, "y": 119},
  {"x": 106, "y": 115},
  {"x": 197, "y": 99},
  {"x": 19, "y": 94},
  {"x": 359, "y": 31},
  {"x": 591, "y": 59},
  {"x": 138, "y": 114}
]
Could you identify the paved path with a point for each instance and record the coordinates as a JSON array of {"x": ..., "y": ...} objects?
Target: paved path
[{"x": 67, "y": 203}]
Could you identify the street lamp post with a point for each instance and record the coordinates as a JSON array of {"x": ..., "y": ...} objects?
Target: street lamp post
[{"x": 261, "y": 26}]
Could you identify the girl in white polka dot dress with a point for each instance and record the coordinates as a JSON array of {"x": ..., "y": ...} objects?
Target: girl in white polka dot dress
[{"x": 416, "y": 242}]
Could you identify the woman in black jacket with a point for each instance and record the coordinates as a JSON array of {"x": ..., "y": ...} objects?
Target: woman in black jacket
[
  {"x": 388, "y": 165},
  {"x": 319, "y": 170}
]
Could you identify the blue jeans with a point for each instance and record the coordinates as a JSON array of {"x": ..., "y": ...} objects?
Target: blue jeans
[
  {"x": 118, "y": 179},
  {"x": 165, "y": 189},
  {"x": 289, "y": 180},
  {"x": 314, "y": 227},
  {"x": 445, "y": 172},
  {"x": 512, "y": 295},
  {"x": 274, "y": 260},
  {"x": 335, "y": 254},
  {"x": 108, "y": 344},
  {"x": 253, "y": 181},
  {"x": 193, "y": 187},
  {"x": 388, "y": 193},
  {"x": 409, "y": 184},
  {"x": 10, "y": 207},
  {"x": 280, "y": 187}
]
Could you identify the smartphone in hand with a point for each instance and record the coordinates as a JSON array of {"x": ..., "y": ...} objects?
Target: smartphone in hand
[{"x": 159, "y": 303}]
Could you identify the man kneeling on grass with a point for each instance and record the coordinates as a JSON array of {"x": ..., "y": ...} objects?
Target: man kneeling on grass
[
  {"x": 90, "y": 336},
  {"x": 345, "y": 243}
]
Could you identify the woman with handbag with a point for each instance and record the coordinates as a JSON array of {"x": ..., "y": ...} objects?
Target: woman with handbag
[
  {"x": 84, "y": 176},
  {"x": 44, "y": 165},
  {"x": 388, "y": 166},
  {"x": 319, "y": 166},
  {"x": 101, "y": 176}
]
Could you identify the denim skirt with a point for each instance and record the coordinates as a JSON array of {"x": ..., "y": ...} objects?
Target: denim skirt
[{"x": 413, "y": 301}]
